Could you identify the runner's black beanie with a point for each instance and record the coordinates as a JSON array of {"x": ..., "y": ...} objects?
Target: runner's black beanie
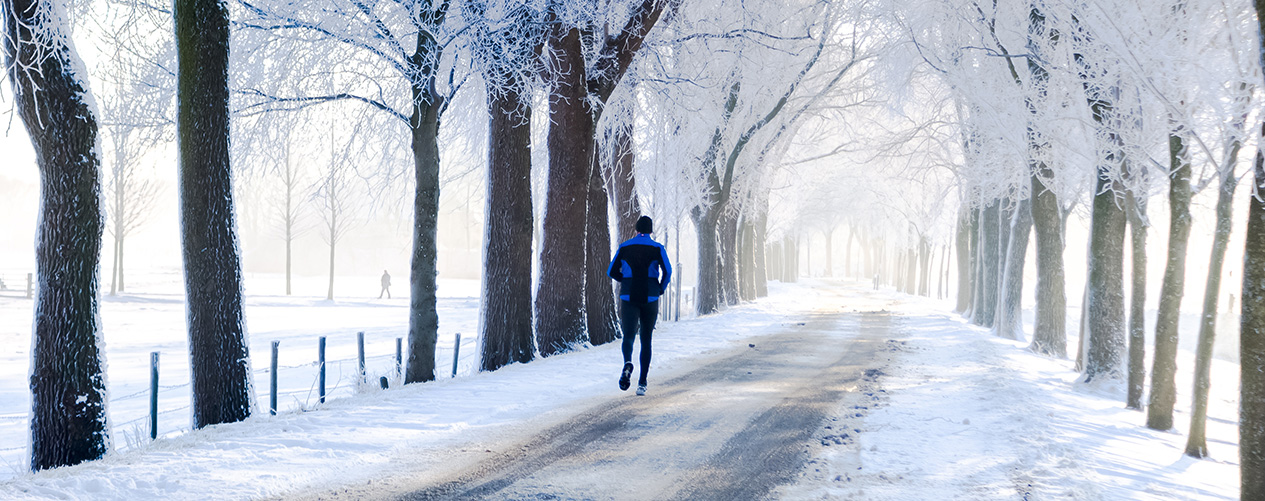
[{"x": 645, "y": 225}]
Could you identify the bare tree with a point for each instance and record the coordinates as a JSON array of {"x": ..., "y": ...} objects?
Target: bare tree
[
  {"x": 386, "y": 57},
  {"x": 131, "y": 197},
  {"x": 336, "y": 206}
]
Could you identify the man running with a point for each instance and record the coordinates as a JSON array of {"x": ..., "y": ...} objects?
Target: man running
[{"x": 636, "y": 267}]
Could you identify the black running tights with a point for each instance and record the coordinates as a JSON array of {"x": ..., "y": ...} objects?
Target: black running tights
[{"x": 630, "y": 315}]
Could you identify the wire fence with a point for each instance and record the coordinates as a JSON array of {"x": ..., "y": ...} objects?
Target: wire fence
[
  {"x": 297, "y": 389},
  {"x": 297, "y": 383}
]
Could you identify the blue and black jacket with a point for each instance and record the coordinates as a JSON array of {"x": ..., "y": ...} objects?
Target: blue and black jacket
[{"x": 636, "y": 267}]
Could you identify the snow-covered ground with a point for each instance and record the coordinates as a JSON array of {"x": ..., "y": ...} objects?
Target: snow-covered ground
[
  {"x": 961, "y": 414},
  {"x": 954, "y": 413}
]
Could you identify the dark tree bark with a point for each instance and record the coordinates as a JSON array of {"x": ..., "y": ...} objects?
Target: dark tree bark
[
  {"x": 219, "y": 356},
  {"x": 1049, "y": 335},
  {"x": 1048, "y": 330},
  {"x": 1136, "y": 215},
  {"x": 1009, "y": 323},
  {"x": 505, "y": 312},
  {"x": 1106, "y": 282},
  {"x": 1252, "y": 330},
  {"x": 963, "y": 241},
  {"x": 1159, "y": 413},
  {"x": 560, "y": 311},
  {"x": 68, "y": 418},
  {"x": 986, "y": 309},
  {"x": 423, "y": 323},
  {"x": 1197, "y": 442},
  {"x": 599, "y": 295},
  {"x": 706, "y": 217},
  {"x": 1252, "y": 324},
  {"x": 623, "y": 185}
]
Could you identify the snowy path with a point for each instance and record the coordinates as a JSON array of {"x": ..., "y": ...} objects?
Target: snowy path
[{"x": 733, "y": 428}]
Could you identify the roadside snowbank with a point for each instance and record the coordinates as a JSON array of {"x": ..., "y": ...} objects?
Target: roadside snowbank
[{"x": 961, "y": 414}]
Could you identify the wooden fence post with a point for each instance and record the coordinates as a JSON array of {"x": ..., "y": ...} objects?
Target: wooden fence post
[
  {"x": 360, "y": 354},
  {"x": 320, "y": 362},
  {"x": 30, "y": 286},
  {"x": 456, "y": 350},
  {"x": 153, "y": 395},
  {"x": 399, "y": 356},
  {"x": 272, "y": 399}
]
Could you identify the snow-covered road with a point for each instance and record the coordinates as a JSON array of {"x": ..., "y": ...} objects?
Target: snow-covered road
[{"x": 733, "y": 425}]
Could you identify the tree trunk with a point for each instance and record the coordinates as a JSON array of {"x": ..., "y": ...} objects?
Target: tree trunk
[
  {"x": 1136, "y": 208},
  {"x": 911, "y": 271},
  {"x": 945, "y": 268},
  {"x": 1106, "y": 282},
  {"x": 963, "y": 241},
  {"x": 1159, "y": 414},
  {"x": 924, "y": 260},
  {"x": 624, "y": 183},
  {"x": 289, "y": 215},
  {"x": 122, "y": 282},
  {"x": 829, "y": 234},
  {"x": 847, "y": 253},
  {"x": 560, "y": 318},
  {"x": 986, "y": 310},
  {"x": 599, "y": 295},
  {"x": 289, "y": 239},
  {"x": 761, "y": 265},
  {"x": 708, "y": 299},
  {"x": 729, "y": 256},
  {"x": 1252, "y": 331},
  {"x": 1197, "y": 442},
  {"x": 748, "y": 252},
  {"x": 505, "y": 313},
  {"x": 790, "y": 272},
  {"x": 1049, "y": 335},
  {"x": 1005, "y": 215},
  {"x": 1009, "y": 323},
  {"x": 68, "y": 419},
  {"x": 219, "y": 357},
  {"x": 774, "y": 253},
  {"x": 423, "y": 322},
  {"x": 975, "y": 263},
  {"x": 1048, "y": 330},
  {"x": 329, "y": 294}
]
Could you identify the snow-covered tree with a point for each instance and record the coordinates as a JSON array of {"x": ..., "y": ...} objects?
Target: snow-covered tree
[
  {"x": 389, "y": 58},
  {"x": 68, "y": 391}
]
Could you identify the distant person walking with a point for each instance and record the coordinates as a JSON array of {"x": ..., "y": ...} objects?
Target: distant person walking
[
  {"x": 386, "y": 285},
  {"x": 636, "y": 267}
]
